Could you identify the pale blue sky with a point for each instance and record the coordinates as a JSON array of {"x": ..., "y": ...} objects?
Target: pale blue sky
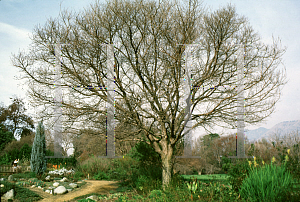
[{"x": 268, "y": 17}]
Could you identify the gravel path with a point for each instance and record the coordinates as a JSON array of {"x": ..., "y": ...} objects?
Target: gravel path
[{"x": 92, "y": 186}]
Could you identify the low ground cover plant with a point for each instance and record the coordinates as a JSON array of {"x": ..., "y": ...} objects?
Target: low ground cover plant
[{"x": 21, "y": 194}]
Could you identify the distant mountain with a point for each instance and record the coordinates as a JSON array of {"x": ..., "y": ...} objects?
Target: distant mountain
[
  {"x": 253, "y": 135},
  {"x": 281, "y": 129}
]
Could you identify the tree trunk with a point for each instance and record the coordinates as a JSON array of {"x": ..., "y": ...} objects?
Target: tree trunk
[{"x": 167, "y": 166}]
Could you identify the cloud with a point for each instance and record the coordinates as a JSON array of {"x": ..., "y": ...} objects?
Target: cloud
[{"x": 13, "y": 32}]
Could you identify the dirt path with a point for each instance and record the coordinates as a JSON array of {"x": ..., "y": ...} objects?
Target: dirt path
[{"x": 92, "y": 186}]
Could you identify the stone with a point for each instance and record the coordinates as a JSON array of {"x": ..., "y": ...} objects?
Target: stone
[
  {"x": 47, "y": 178},
  {"x": 47, "y": 191},
  {"x": 51, "y": 187},
  {"x": 69, "y": 190},
  {"x": 39, "y": 187},
  {"x": 10, "y": 178},
  {"x": 32, "y": 186},
  {"x": 93, "y": 197},
  {"x": 56, "y": 184},
  {"x": 9, "y": 195},
  {"x": 73, "y": 185},
  {"x": 2, "y": 185},
  {"x": 64, "y": 180},
  {"x": 60, "y": 190},
  {"x": 2, "y": 179}
]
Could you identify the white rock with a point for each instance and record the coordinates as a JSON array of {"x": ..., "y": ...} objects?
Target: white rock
[
  {"x": 60, "y": 190},
  {"x": 2, "y": 185},
  {"x": 73, "y": 185},
  {"x": 32, "y": 186},
  {"x": 51, "y": 187},
  {"x": 69, "y": 190},
  {"x": 64, "y": 179},
  {"x": 10, "y": 178},
  {"x": 2, "y": 179},
  {"x": 9, "y": 194},
  {"x": 93, "y": 197},
  {"x": 47, "y": 178},
  {"x": 55, "y": 184},
  {"x": 47, "y": 191},
  {"x": 39, "y": 187}
]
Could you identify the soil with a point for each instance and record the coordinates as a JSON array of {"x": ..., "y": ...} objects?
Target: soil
[{"x": 92, "y": 186}]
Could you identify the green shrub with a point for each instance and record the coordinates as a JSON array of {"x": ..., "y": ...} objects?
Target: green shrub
[
  {"x": 124, "y": 169},
  {"x": 237, "y": 173},
  {"x": 141, "y": 182},
  {"x": 270, "y": 183},
  {"x": 101, "y": 176},
  {"x": 5, "y": 159},
  {"x": 25, "y": 152},
  {"x": 157, "y": 195},
  {"x": 78, "y": 175},
  {"x": 226, "y": 162},
  {"x": 149, "y": 161},
  {"x": 92, "y": 165},
  {"x": 25, "y": 175}
]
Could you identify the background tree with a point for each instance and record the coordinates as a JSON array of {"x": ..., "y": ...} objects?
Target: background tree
[
  {"x": 207, "y": 139},
  {"x": 5, "y": 138},
  {"x": 38, "y": 162},
  {"x": 149, "y": 68},
  {"x": 13, "y": 116}
]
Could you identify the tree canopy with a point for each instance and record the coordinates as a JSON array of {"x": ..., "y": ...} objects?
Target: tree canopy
[
  {"x": 149, "y": 53},
  {"x": 13, "y": 117}
]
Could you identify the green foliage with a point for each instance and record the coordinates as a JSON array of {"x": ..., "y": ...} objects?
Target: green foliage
[
  {"x": 207, "y": 139},
  {"x": 141, "y": 182},
  {"x": 25, "y": 175},
  {"x": 86, "y": 200},
  {"x": 101, "y": 176},
  {"x": 38, "y": 162},
  {"x": 157, "y": 195},
  {"x": 149, "y": 160},
  {"x": 15, "y": 113},
  {"x": 5, "y": 159},
  {"x": 25, "y": 152},
  {"x": 21, "y": 194},
  {"x": 269, "y": 183},
  {"x": 238, "y": 172},
  {"x": 14, "y": 154},
  {"x": 125, "y": 169},
  {"x": 5, "y": 137},
  {"x": 293, "y": 162},
  {"x": 225, "y": 162},
  {"x": 78, "y": 175}
]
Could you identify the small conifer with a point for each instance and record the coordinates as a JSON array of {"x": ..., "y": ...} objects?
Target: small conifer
[{"x": 38, "y": 162}]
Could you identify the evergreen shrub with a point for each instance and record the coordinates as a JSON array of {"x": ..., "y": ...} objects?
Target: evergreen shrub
[
  {"x": 38, "y": 162},
  {"x": 149, "y": 160}
]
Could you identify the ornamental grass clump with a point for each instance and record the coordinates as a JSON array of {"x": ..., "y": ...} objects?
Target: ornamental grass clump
[{"x": 267, "y": 183}]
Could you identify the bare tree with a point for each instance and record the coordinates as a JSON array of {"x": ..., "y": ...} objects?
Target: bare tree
[{"x": 150, "y": 69}]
